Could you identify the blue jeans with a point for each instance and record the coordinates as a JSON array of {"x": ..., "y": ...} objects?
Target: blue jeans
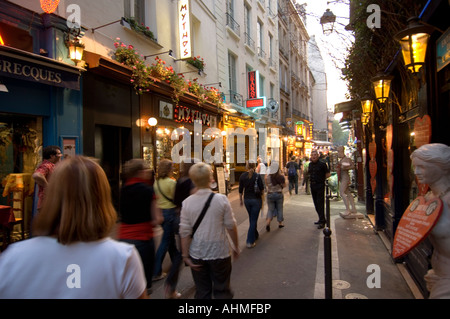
[
  {"x": 168, "y": 243},
  {"x": 253, "y": 207},
  {"x": 275, "y": 206}
]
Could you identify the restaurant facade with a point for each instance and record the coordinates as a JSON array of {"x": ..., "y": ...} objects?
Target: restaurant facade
[{"x": 40, "y": 100}]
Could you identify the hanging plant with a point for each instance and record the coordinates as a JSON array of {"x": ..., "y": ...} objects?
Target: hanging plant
[
  {"x": 143, "y": 76},
  {"x": 127, "y": 55},
  {"x": 140, "y": 28},
  {"x": 198, "y": 62}
]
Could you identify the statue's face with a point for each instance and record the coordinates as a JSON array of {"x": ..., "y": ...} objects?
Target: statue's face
[{"x": 427, "y": 173}]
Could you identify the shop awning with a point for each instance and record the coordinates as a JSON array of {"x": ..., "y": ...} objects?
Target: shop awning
[
  {"x": 347, "y": 106},
  {"x": 22, "y": 65},
  {"x": 107, "y": 67}
]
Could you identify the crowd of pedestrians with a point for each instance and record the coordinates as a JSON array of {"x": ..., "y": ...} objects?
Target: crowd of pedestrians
[{"x": 79, "y": 222}]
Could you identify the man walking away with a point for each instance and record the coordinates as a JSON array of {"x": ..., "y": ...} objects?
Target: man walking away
[
  {"x": 318, "y": 172},
  {"x": 292, "y": 173}
]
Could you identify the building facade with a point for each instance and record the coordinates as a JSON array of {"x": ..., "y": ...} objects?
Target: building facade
[
  {"x": 251, "y": 53},
  {"x": 295, "y": 80}
]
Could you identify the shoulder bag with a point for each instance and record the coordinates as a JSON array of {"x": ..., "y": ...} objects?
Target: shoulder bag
[
  {"x": 160, "y": 191},
  {"x": 256, "y": 186},
  {"x": 202, "y": 214}
]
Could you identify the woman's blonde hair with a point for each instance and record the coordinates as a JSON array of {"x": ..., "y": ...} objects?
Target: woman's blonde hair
[
  {"x": 200, "y": 174},
  {"x": 77, "y": 205},
  {"x": 165, "y": 168}
]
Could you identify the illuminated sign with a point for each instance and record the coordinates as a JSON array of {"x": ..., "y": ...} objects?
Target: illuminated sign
[
  {"x": 254, "y": 100},
  {"x": 253, "y": 84},
  {"x": 259, "y": 102},
  {"x": 49, "y": 6},
  {"x": 299, "y": 128},
  {"x": 184, "y": 25},
  {"x": 188, "y": 115}
]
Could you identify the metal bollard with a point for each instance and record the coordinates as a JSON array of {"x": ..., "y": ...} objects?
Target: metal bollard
[{"x": 327, "y": 248}]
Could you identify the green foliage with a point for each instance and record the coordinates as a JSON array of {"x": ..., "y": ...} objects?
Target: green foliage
[
  {"x": 140, "y": 28},
  {"x": 374, "y": 49},
  {"x": 197, "y": 61},
  {"x": 144, "y": 76},
  {"x": 339, "y": 136}
]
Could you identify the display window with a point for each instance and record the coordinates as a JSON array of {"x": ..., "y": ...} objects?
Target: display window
[{"x": 20, "y": 146}]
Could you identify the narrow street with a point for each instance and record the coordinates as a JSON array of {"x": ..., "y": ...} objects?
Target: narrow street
[{"x": 287, "y": 263}]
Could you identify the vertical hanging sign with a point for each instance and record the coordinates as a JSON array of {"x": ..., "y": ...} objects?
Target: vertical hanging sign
[
  {"x": 184, "y": 25},
  {"x": 253, "y": 84},
  {"x": 254, "y": 101}
]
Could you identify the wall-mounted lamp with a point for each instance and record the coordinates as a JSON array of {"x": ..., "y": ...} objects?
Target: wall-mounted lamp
[
  {"x": 367, "y": 104},
  {"x": 365, "y": 118},
  {"x": 122, "y": 21},
  {"x": 381, "y": 85},
  {"x": 152, "y": 121},
  {"x": 170, "y": 52},
  {"x": 76, "y": 48},
  {"x": 327, "y": 21},
  {"x": 414, "y": 41}
]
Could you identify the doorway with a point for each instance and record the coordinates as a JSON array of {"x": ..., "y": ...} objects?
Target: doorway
[{"x": 112, "y": 148}]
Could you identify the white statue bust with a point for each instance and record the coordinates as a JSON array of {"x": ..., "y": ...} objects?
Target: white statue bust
[
  {"x": 345, "y": 164},
  {"x": 432, "y": 167}
]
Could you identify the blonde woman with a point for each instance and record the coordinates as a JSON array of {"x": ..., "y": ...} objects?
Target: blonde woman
[
  {"x": 164, "y": 187},
  {"x": 72, "y": 255},
  {"x": 207, "y": 251}
]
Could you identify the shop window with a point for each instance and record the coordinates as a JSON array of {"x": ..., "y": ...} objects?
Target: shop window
[
  {"x": 20, "y": 145},
  {"x": 16, "y": 38}
]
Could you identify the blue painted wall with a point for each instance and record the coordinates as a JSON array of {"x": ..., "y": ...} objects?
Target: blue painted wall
[{"x": 60, "y": 108}]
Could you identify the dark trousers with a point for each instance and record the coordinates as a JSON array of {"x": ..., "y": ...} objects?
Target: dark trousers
[
  {"x": 318, "y": 195},
  {"x": 293, "y": 183},
  {"x": 146, "y": 249},
  {"x": 213, "y": 278}
]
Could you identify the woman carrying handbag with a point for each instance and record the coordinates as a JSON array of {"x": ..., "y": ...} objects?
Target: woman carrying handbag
[{"x": 204, "y": 243}]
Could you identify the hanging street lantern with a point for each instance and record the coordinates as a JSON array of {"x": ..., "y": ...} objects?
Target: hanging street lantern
[
  {"x": 76, "y": 49},
  {"x": 382, "y": 85},
  {"x": 414, "y": 41},
  {"x": 365, "y": 118},
  {"x": 327, "y": 21},
  {"x": 367, "y": 104}
]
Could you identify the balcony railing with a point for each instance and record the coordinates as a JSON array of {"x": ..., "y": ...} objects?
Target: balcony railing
[
  {"x": 261, "y": 53},
  {"x": 236, "y": 98},
  {"x": 249, "y": 41},
  {"x": 233, "y": 25}
]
